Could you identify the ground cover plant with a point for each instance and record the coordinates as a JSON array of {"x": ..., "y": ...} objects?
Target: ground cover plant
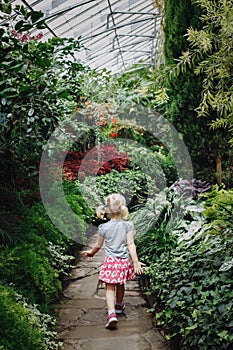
[
  {"x": 190, "y": 272},
  {"x": 23, "y": 326},
  {"x": 32, "y": 265}
]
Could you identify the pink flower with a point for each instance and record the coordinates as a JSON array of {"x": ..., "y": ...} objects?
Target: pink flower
[
  {"x": 38, "y": 36},
  {"x": 24, "y": 38},
  {"x": 14, "y": 33}
]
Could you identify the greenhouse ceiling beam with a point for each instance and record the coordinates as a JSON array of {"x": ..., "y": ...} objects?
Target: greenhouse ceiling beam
[
  {"x": 126, "y": 37},
  {"x": 108, "y": 32},
  {"x": 132, "y": 51},
  {"x": 31, "y": 8},
  {"x": 118, "y": 69},
  {"x": 111, "y": 29},
  {"x": 115, "y": 30},
  {"x": 70, "y": 8},
  {"x": 96, "y": 57},
  {"x": 135, "y": 36},
  {"x": 153, "y": 44},
  {"x": 103, "y": 63},
  {"x": 75, "y": 17},
  {"x": 134, "y": 44},
  {"x": 98, "y": 50},
  {"x": 100, "y": 53},
  {"x": 128, "y": 13}
]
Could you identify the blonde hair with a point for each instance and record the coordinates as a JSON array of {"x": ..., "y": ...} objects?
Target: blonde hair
[{"x": 114, "y": 204}]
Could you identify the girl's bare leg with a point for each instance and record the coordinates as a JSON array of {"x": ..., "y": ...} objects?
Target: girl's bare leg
[
  {"x": 120, "y": 292},
  {"x": 110, "y": 296}
]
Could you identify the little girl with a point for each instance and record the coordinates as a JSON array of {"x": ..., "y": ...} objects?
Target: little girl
[{"x": 118, "y": 236}]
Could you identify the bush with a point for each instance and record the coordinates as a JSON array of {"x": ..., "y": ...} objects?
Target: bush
[
  {"x": 40, "y": 256},
  {"x": 34, "y": 265},
  {"x": 191, "y": 280},
  {"x": 36, "y": 222},
  {"x": 29, "y": 269},
  {"x": 132, "y": 184},
  {"x": 194, "y": 295},
  {"x": 91, "y": 166},
  {"x": 153, "y": 160},
  {"x": 23, "y": 326},
  {"x": 77, "y": 202}
]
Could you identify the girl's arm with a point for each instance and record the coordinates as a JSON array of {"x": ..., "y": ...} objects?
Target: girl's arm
[
  {"x": 133, "y": 253},
  {"x": 96, "y": 248}
]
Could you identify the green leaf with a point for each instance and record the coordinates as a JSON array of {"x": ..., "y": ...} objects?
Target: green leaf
[
  {"x": 6, "y": 8},
  {"x": 227, "y": 265},
  {"x": 3, "y": 101},
  {"x": 2, "y": 31},
  {"x": 41, "y": 24},
  {"x": 35, "y": 16},
  {"x": 26, "y": 27},
  {"x": 19, "y": 25},
  {"x": 223, "y": 334}
]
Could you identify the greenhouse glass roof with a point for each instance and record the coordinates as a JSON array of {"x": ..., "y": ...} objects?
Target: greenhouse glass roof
[{"x": 116, "y": 33}]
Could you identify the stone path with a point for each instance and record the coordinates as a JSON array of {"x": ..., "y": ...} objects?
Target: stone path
[{"x": 82, "y": 314}]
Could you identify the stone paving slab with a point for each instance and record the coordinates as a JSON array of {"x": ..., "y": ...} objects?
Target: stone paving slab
[{"x": 82, "y": 314}]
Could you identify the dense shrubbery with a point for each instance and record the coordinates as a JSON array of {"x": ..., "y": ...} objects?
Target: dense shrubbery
[
  {"x": 27, "y": 266},
  {"x": 109, "y": 157},
  {"x": 23, "y": 326},
  {"x": 190, "y": 272},
  {"x": 33, "y": 266}
]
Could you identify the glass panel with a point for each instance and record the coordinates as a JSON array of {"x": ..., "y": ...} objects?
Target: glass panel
[{"x": 116, "y": 35}]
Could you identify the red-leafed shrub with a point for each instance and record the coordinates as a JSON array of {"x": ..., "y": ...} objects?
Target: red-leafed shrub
[{"x": 97, "y": 161}]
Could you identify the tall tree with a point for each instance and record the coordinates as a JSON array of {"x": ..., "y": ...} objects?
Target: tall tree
[{"x": 205, "y": 145}]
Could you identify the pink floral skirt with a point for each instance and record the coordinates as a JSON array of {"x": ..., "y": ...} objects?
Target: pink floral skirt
[{"x": 116, "y": 270}]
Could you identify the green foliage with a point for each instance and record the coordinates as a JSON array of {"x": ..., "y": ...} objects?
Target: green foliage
[
  {"x": 157, "y": 221},
  {"x": 190, "y": 273},
  {"x": 23, "y": 326},
  {"x": 132, "y": 184},
  {"x": 210, "y": 56},
  {"x": 219, "y": 209},
  {"x": 194, "y": 297},
  {"x": 178, "y": 17},
  {"x": 36, "y": 220},
  {"x": 152, "y": 158},
  {"x": 42, "y": 87},
  {"x": 34, "y": 264},
  {"x": 77, "y": 202},
  {"x": 186, "y": 90},
  {"x": 37, "y": 223},
  {"x": 28, "y": 263},
  {"x": 212, "y": 46}
]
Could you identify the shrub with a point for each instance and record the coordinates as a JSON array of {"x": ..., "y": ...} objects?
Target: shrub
[
  {"x": 37, "y": 221},
  {"x": 153, "y": 160},
  {"x": 194, "y": 295},
  {"x": 99, "y": 162},
  {"x": 191, "y": 281},
  {"x": 23, "y": 326},
  {"x": 29, "y": 269},
  {"x": 133, "y": 184}
]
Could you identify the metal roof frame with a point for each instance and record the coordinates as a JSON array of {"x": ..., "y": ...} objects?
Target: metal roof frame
[{"x": 110, "y": 30}]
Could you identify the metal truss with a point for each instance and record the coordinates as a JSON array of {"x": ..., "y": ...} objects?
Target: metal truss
[{"x": 116, "y": 33}]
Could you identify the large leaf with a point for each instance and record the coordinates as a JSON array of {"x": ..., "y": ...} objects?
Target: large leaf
[{"x": 35, "y": 16}]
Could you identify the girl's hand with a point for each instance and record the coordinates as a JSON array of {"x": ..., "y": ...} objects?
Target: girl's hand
[
  {"x": 138, "y": 267},
  {"x": 88, "y": 253}
]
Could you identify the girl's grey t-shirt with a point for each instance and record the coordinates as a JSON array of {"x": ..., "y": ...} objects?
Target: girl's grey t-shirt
[{"x": 114, "y": 233}]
